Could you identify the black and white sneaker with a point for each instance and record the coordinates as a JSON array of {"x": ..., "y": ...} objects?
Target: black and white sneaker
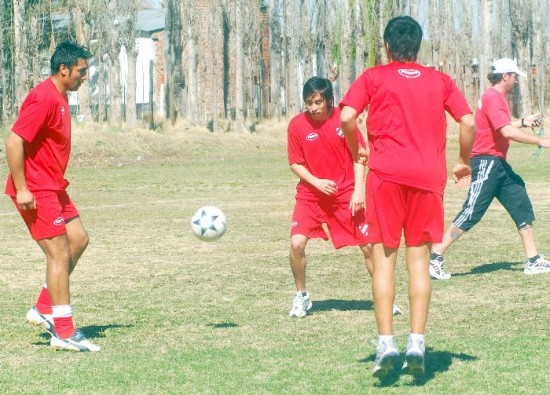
[
  {"x": 77, "y": 342},
  {"x": 43, "y": 321}
]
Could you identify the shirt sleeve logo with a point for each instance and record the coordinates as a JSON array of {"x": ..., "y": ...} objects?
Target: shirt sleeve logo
[
  {"x": 312, "y": 136},
  {"x": 340, "y": 132},
  {"x": 62, "y": 111},
  {"x": 409, "y": 73}
]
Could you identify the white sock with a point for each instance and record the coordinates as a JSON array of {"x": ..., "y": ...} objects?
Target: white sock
[
  {"x": 385, "y": 339},
  {"x": 62, "y": 310},
  {"x": 417, "y": 337}
]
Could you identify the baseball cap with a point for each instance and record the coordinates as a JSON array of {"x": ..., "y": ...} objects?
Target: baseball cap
[{"x": 506, "y": 65}]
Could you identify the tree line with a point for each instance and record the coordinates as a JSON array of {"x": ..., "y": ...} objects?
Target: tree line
[{"x": 229, "y": 63}]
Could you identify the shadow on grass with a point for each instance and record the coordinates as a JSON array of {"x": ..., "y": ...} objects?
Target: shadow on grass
[
  {"x": 436, "y": 362},
  {"x": 222, "y": 325},
  {"x": 91, "y": 332},
  {"x": 492, "y": 267},
  {"x": 342, "y": 305}
]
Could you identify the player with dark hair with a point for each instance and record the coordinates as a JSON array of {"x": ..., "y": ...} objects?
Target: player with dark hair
[
  {"x": 492, "y": 175},
  {"x": 319, "y": 156},
  {"x": 406, "y": 128},
  {"x": 37, "y": 150}
]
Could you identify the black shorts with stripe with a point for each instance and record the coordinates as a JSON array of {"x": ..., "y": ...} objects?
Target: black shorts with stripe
[{"x": 493, "y": 177}]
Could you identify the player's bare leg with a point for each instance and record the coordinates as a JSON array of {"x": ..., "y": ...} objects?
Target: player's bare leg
[
  {"x": 78, "y": 240},
  {"x": 298, "y": 263},
  {"x": 383, "y": 287},
  {"x": 420, "y": 286}
]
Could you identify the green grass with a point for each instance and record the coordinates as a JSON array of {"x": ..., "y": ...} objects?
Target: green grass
[{"x": 177, "y": 315}]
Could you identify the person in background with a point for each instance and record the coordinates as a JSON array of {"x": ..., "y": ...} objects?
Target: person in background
[
  {"x": 318, "y": 154},
  {"x": 492, "y": 175}
]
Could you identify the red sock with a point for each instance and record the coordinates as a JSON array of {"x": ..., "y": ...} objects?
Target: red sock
[
  {"x": 44, "y": 303},
  {"x": 64, "y": 327}
]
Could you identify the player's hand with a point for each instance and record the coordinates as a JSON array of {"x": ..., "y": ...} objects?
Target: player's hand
[
  {"x": 328, "y": 187},
  {"x": 357, "y": 201},
  {"x": 362, "y": 156},
  {"x": 462, "y": 175},
  {"x": 544, "y": 143},
  {"x": 533, "y": 120},
  {"x": 25, "y": 200}
]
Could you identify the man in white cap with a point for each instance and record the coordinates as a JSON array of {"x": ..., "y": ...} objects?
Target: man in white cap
[{"x": 492, "y": 176}]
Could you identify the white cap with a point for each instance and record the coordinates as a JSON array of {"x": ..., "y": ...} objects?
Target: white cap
[{"x": 506, "y": 65}]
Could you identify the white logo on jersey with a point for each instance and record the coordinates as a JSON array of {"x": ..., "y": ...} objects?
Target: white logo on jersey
[
  {"x": 364, "y": 229},
  {"x": 62, "y": 111},
  {"x": 58, "y": 221},
  {"x": 340, "y": 132},
  {"x": 293, "y": 224},
  {"x": 409, "y": 73},
  {"x": 312, "y": 136}
]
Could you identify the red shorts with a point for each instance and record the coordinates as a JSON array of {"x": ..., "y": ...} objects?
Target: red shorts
[
  {"x": 52, "y": 211},
  {"x": 345, "y": 230},
  {"x": 394, "y": 208}
]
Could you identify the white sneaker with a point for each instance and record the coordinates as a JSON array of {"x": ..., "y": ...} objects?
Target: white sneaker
[
  {"x": 43, "y": 321},
  {"x": 300, "y": 305},
  {"x": 77, "y": 342},
  {"x": 437, "y": 270},
  {"x": 396, "y": 310},
  {"x": 540, "y": 266},
  {"x": 386, "y": 357},
  {"x": 414, "y": 358}
]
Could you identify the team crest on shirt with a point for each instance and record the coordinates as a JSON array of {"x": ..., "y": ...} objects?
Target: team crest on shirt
[
  {"x": 293, "y": 224},
  {"x": 312, "y": 136},
  {"x": 340, "y": 132},
  {"x": 58, "y": 221},
  {"x": 62, "y": 111},
  {"x": 409, "y": 73}
]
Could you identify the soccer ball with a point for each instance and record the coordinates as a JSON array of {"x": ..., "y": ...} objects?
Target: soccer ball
[{"x": 208, "y": 223}]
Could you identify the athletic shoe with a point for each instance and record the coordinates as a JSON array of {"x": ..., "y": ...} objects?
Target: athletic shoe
[
  {"x": 77, "y": 342},
  {"x": 43, "y": 321},
  {"x": 414, "y": 358},
  {"x": 386, "y": 357},
  {"x": 396, "y": 310},
  {"x": 300, "y": 305},
  {"x": 541, "y": 265},
  {"x": 437, "y": 270}
]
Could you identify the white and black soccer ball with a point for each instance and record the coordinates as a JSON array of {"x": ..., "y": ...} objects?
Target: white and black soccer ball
[{"x": 209, "y": 223}]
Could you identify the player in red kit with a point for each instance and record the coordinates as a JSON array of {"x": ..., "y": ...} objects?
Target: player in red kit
[
  {"x": 406, "y": 128},
  {"x": 37, "y": 152},
  {"x": 319, "y": 155}
]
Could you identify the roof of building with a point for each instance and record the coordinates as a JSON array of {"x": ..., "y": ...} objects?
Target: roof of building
[{"x": 151, "y": 20}]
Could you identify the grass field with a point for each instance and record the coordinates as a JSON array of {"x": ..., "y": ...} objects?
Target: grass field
[{"x": 176, "y": 315}]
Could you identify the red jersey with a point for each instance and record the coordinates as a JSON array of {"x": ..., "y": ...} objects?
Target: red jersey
[
  {"x": 321, "y": 147},
  {"x": 492, "y": 114},
  {"x": 406, "y": 121},
  {"x": 44, "y": 123}
]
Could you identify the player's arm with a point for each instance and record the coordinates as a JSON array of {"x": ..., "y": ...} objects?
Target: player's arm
[
  {"x": 530, "y": 121},
  {"x": 516, "y": 134},
  {"x": 15, "y": 156},
  {"x": 348, "y": 121},
  {"x": 328, "y": 187},
  {"x": 466, "y": 137},
  {"x": 358, "y": 196}
]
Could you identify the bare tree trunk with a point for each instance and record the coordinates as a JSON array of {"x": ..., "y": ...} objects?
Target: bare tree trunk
[
  {"x": 345, "y": 70},
  {"x": 188, "y": 18},
  {"x": 131, "y": 116},
  {"x": 276, "y": 56},
  {"x": 173, "y": 56},
  {"x": 20, "y": 62},
  {"x": 522, "y": 34},
  {"x": 487, "y": 37},
  {"x": 360, "y": 47},
  {"x": 3, "y": 80},
  {"x": 239, "y": 67}
]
